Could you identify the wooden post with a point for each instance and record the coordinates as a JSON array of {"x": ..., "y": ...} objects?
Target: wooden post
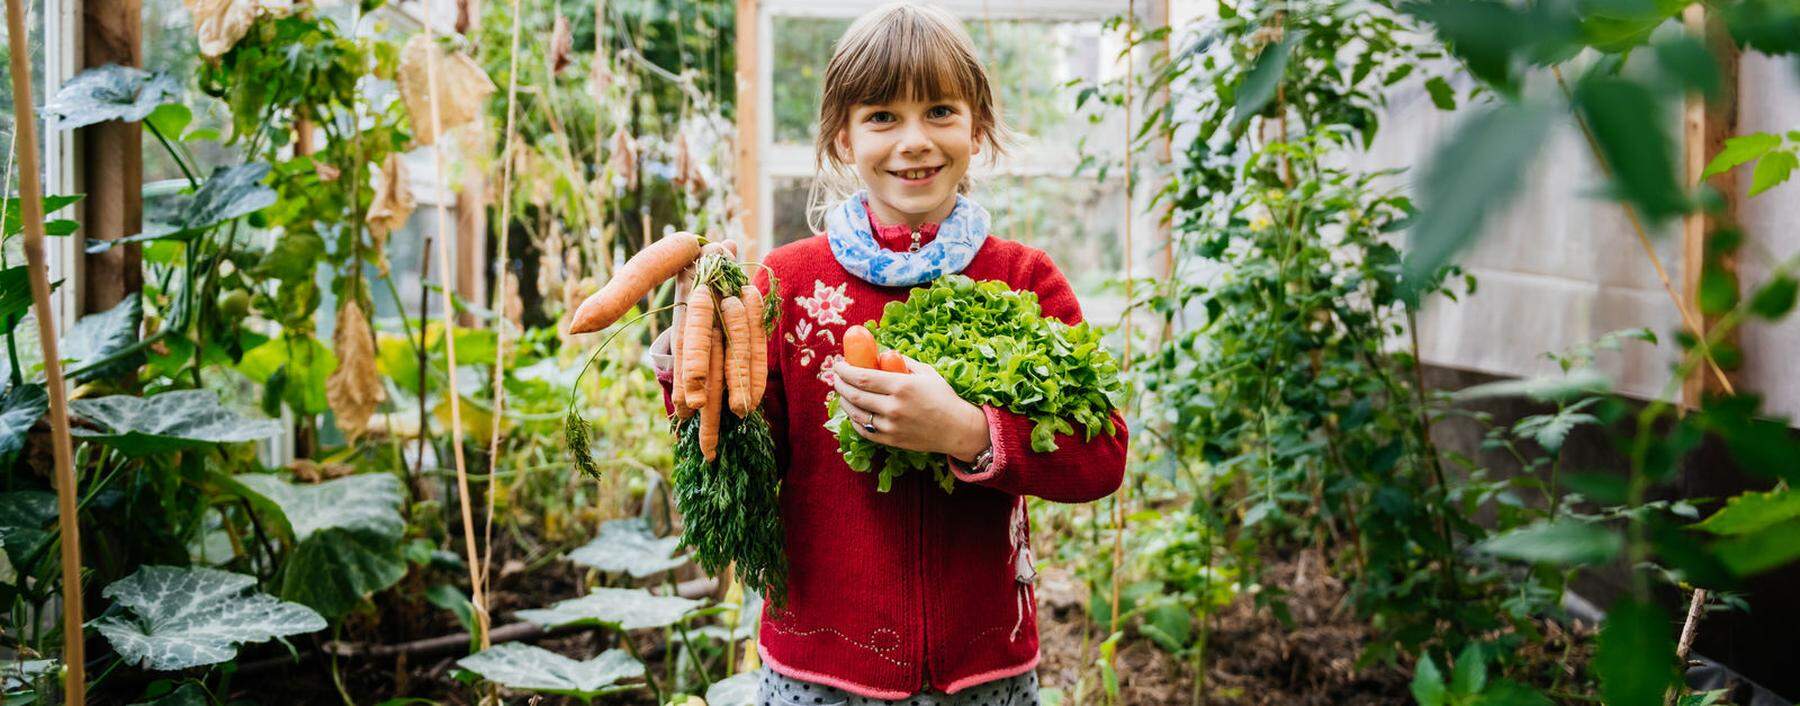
[
  {"x": 1705, "y": 126},
  {"x": 112, "y": 161},
  {"x": 471, "y": 241},
  {"x": 31, "y": 199},
  {"x": 749, "y": 130}
]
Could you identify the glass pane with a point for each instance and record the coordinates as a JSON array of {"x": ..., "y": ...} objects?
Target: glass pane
[
  {"x": 34, "y": 26},
  {"x": 170, "y": 47}
]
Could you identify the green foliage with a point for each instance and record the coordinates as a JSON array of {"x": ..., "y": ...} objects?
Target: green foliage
[
  {"x": 520, "y": 666},
  {"x": 100, "y": 345},
  {"x": 111, "y": 92},
  {"x": 171, "y": 421},
  {"x": 345, "y": 532},
  {"x": 616, "y": 609},
  {"x": 995, "y": 347},
  {"x": 728, "y": 507},
  {"x": 189, "y": 617},
  {"x": 629, "y": 546}
]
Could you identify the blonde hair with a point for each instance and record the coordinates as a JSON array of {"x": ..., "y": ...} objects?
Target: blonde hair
[{"x": 899, "y": 51}]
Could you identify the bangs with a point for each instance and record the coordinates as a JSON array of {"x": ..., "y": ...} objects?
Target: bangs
[{"x": 914, "y": 60}]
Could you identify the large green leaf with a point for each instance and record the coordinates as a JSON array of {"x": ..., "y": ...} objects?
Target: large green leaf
[
  {"x": 629, "y": 546},
  {"x": 97, "y": 336},
  {"x": 1753, "y": 552},
  {"x": 1259, "y": 83},
  {"x": 1558, "y": 542},
  {"x": 347, "y": 537},
  {"x": 181, "y": 419},
  {"x": 26, "y": 517},
  {"x": 1622, "y": 116},
  {"x": 231, "y": 192},
  {"x": 189, "y": 694},
  {"x": 1753, "y": 512},
  {"x": 111, "y": 92},
  {"x": 737, "y": 690},
  {"x": 15, "y": 220},
  {"x": 1475, "y": 171},
  {"x": 15, "y": 292},
  {"x": 530, "y": 668},
  {"x": 304, "y": 364},
  {"x": 616, "y": 608},
  {"x": 20, "y": 676},
  {"x": 1635, "y": 659},
  {"x": 1739, "y": 150},
  {"x": 188, "y": 617},
  {"x": 21, "y": 407}
]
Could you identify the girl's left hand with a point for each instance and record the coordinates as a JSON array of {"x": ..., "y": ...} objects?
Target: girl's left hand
[{"x": 916, "y": 410}]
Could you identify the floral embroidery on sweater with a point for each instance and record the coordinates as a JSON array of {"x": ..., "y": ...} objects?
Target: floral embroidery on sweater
[{"x": 823, "y": 309}]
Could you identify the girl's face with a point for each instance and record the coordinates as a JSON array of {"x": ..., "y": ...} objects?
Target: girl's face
[{"x": 911, "y": 155}]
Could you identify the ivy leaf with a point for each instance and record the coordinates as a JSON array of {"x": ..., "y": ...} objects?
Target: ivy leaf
[
  {"x": 1739, "y": 150},
  {"x": 111, "y": 92},
  {"x": 1633, "y": 656},
  {"x": 347, "y": 536},
  {"x": 1476, "y": 170},
  {"x": 96, "y": 336},
  {"x": 170, "y": 421},
  {"x": 531, "y": 668},
  {"x": 21, "y": 408},
  {"x": 1773, "y": 169},
  {"x": 616, "y": 608},
  {"x": 629, "y": 546},
  {"x": 230, "y": 193},
  {"x": 189, "y": 617},
  {"x": 1561, "y": 542},
  {"x": 1775, "y": 298},
  {"x": 1259, "y": 83}
]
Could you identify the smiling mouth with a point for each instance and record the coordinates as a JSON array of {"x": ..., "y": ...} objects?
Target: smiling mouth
[{"x": 919, "y": 174}]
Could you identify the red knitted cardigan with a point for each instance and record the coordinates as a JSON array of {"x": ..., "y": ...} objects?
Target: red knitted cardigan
[{"x": 891, "y": 593}]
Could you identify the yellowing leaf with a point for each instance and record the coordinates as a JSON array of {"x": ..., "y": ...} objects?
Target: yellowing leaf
[
  {"x": 354, "y": 390},
  {"x": 462, "y": 87},
  {"x": 393, "y": 204}
]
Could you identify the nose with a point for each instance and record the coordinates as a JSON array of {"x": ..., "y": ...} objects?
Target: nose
[{"x": 913, "y": 140}]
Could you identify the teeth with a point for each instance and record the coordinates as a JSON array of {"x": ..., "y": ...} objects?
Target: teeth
[{"x": 916, "y": 173}]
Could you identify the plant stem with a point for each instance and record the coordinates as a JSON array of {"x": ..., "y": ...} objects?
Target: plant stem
[{"x": 173, "y": 154}]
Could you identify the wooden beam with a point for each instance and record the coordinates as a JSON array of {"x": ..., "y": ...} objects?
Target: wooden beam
[
  {"x": 112, "y": 162},
  {"x": 1705, "y": 126},
  {"x": 749, "y": 130}
]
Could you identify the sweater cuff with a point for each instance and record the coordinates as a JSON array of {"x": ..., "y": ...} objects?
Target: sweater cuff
[
  {"x": 998, "y": 459},
  {"x": 662, "y": 360}
]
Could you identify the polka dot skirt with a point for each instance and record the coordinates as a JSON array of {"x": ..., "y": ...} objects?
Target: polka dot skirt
[{"x": 779, "y": 690}]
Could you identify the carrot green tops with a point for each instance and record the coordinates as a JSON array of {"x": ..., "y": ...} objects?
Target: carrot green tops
[{"x": 890, "y": 593}]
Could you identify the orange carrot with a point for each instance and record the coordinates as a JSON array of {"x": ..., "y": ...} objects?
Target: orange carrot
[
  {"x": 891, "y": 361},
  {"x": 697, "y": 345},
  {"x": 678, "y": 386},
  {"x": 759, "y": 344},
  {"x": 737, "y": 353},
  {"x": 709, "y": 412},
  {"x": 650, "y": 267},
  {"x": 859, "y": 347}
]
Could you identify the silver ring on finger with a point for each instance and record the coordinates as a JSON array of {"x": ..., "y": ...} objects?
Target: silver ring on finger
[{"x": 869, "y": 426}]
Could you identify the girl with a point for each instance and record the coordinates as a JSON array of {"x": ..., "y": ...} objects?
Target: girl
[{"x": 912, "y": 596}]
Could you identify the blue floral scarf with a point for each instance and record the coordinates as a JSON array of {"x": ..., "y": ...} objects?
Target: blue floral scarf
[{"x": 853, "y": 243}]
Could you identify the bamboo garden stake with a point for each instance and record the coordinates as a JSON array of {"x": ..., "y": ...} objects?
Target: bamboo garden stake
[{"x": 31, "y": 198}]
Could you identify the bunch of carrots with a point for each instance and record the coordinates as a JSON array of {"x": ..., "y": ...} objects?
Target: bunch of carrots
[
  {"x": 720, "y": 340},
  {"x": 725, "y": 481}
]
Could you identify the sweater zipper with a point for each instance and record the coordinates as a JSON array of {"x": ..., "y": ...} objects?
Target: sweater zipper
[
  {"x": 916, "y": 235},
  {"x": 924, "y": 613}
]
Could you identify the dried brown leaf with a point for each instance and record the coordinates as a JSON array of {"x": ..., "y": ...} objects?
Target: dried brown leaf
[
  {"x": 562, "y": 45},
  {"x": 354, "y": 390},
  {"x": 623, "y": 162},
  {"x": 219, "y": 24},
  {"x": 462, "y": 87},
  {"x": 393, "y": 204}
]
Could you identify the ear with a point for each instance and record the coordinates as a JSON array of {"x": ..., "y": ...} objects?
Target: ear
[
  {"x": 841, "y": 143},
  {"x": 975, "y": 141}
]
